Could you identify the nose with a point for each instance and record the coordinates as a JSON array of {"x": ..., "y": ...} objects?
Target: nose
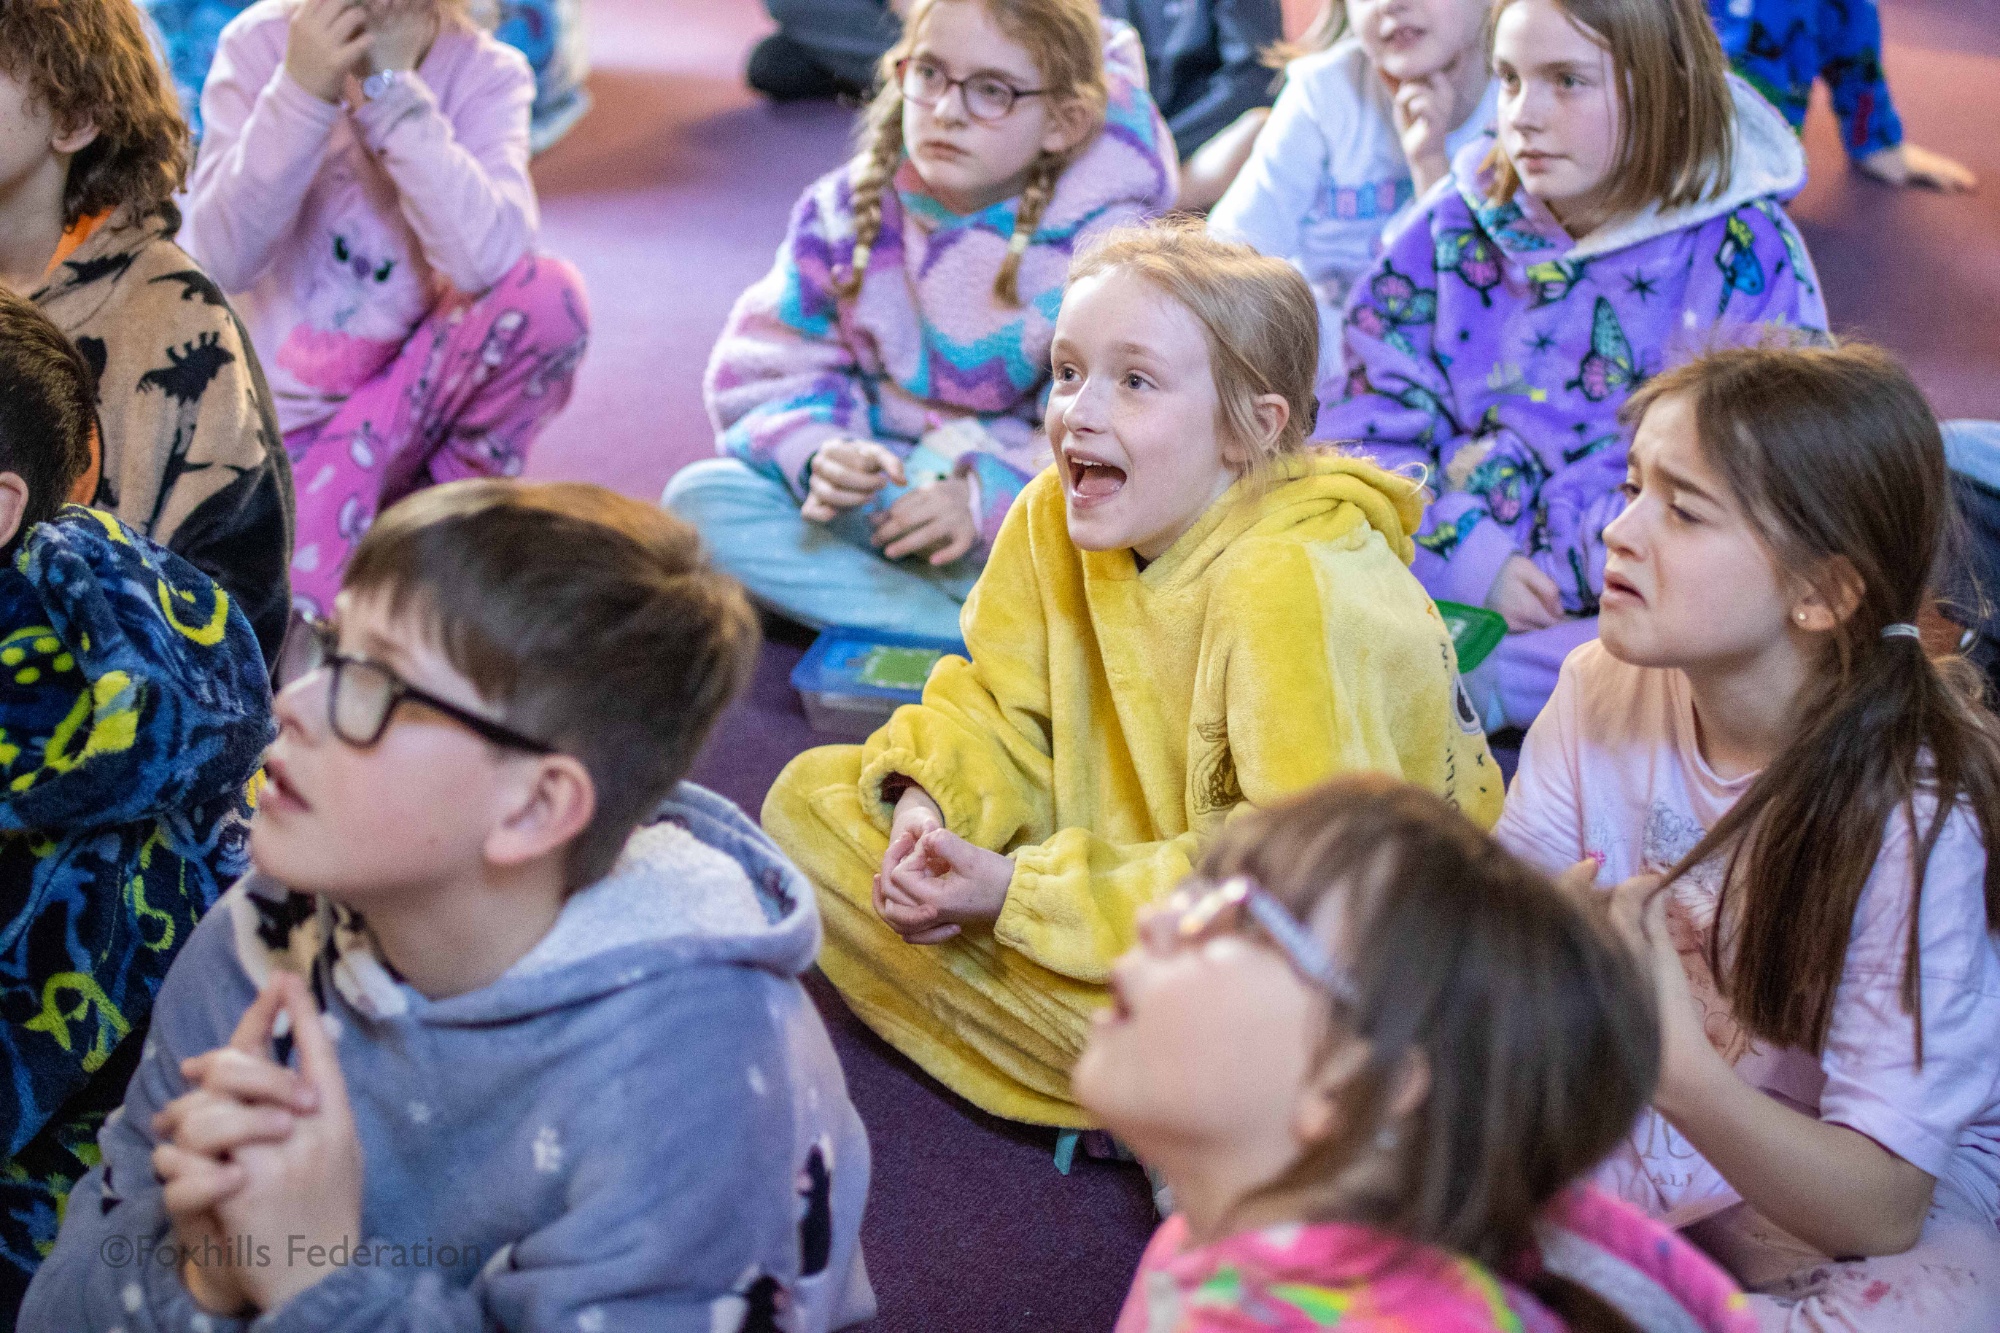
[
  {"x": 1526, "y": 110},
  {"x": 1624, "y": 534},
  {"x": 952, "y": 109},
  {"x": 301, "y": 704},
  {"x": 1085, "y": 411}
]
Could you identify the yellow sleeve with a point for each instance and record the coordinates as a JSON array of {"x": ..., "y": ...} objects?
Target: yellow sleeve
[
  {"x": 979, "y": 742},
  {"x": 1298, "y": 704}
]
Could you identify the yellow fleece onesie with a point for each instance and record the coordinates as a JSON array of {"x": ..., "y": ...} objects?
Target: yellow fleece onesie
[{"x": 1109, "y": 720}]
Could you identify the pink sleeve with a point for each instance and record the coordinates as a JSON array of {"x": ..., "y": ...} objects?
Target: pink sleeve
[
  {"x": 263, "y": 141},
  {"x": 463, "y": 178},
  {"x": 1542, "y": 821},
  {"x": 1873, "y": 1082}
]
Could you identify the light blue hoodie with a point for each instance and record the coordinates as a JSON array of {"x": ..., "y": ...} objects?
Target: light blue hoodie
[{"x": 640, "y": 1126}]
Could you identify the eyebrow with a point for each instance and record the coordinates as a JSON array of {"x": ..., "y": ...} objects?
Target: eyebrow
[
  {"x": 1006, "y": 76},
  {"x": 1681, "y": 482}
]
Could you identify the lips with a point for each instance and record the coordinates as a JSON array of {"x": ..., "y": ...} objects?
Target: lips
[
  {"x": 1617, "y": 586},
  {"x": 1092, "y": 480},
  {"x": 933, "y": 148},
  {"x": 278, "y": 791}
]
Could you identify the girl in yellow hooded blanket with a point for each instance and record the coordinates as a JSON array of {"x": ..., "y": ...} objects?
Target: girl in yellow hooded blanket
[{"x": 1190, "y": 614}]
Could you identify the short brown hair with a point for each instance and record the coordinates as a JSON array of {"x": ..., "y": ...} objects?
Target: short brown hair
[
  {"x": 1678, "y": 119},
  {"x": 48, "y": 409},
  {"x": 1257, "y": 314},
  {"x": 594, "y": 621},
  {"x": 88, "y": 62},
  {"x": 1536, "y": 1027}
]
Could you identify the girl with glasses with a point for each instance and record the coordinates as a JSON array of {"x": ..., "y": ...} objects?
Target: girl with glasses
[
  {"x": 878, "y": 395},
  {"x": 1371, "y": 1053}
]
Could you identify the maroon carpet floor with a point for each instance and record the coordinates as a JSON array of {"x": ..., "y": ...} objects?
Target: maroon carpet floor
[{"x": 671, "y": 198}]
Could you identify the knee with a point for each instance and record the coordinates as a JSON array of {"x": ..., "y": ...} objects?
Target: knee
[
  {"x": 719, "y": 491},
  {"x": 551, "y": 291},
  {"x": 797, "y": 813}
]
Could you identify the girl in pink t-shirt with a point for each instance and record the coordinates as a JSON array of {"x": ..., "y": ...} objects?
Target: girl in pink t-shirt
[
  {"x": 363, "y": 193},
  {"x": 1368, "y": 1052},
  {"x": 1760, "y": 723}
]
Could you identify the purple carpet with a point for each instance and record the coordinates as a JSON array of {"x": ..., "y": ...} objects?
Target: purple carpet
[{"x": 671, "y": 198}]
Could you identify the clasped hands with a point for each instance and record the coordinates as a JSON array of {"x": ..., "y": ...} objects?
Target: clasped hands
[
  {"x": 256, "y": 1152},
  {"x": 936, "y": 517},
  {"x": 934, "y": 883}
]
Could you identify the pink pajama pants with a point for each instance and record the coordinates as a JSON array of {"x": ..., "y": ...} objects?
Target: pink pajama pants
[{"x": 466, "y": 397}]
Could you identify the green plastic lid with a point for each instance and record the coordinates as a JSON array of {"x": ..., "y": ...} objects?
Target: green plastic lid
[{"x": 1475, "y": 631}]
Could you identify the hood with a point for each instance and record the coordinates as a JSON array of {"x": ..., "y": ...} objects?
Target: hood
[
  {"x": 1322, "y": 495},
  {"x": 133, "y": 685},
  {"x": 698, "y": 884},
  {"x": 1130, "y": 163},
  {"x": 1769, "y": 161}
]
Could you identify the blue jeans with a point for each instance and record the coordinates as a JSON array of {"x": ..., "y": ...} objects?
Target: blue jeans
[{"x": 818, "y": 574}]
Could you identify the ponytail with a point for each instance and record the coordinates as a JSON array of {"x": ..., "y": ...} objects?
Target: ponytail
[{"x": 1836, "y": 457}]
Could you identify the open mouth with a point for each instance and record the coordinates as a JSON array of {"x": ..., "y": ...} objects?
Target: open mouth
[
  {"x": 1402, "y": 38},
  {"x": 1091, "y": 481},
  {"x": 1617, "y": 585},
  {"x": 278, "y": 791}
]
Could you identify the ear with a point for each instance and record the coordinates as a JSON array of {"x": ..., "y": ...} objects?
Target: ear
[
  {"x": 1272, "y": 413},
  {"x": 13, "y": 504},
  {"x": 1321, "y": 1109},
  {"x": 1824, "y": 606},
  {"x": 1070, "y": 123},
  {"x": 74, "y": 140},
  {"x": 553, "y": 801}
]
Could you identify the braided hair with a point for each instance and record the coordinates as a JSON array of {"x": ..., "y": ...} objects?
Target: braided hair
[{"x": 1067, "y": 43}]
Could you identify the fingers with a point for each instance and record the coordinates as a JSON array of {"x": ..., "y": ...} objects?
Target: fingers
[
  {"x": 216, "y": 1126},
  {"x": 228, "y": 1072},
  {"x": 935, "y": 935},
  {"x": 835, "y": 478},
  {"x": 253, "y": 1031},
  {"x": 816, "y": 510},
  {"x": 193, "y": 1183},
  {"x": 318, "y": 1061},
  {"x": 887, "y": 461},
  {"x": 955, "y": 548},
  {"x": 932, "y": 532},
  {"x": 1579, "y": 883}
]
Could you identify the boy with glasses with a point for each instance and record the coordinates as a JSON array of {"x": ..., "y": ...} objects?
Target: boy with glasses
[{"x": 567, "y": 1077}]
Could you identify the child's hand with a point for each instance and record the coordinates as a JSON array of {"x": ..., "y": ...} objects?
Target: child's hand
[
  {"x": 945, "y": 883},
  {"x": 1638, "y": 912},
  {"x": 846, "y": 473},
  {"x": 304, "y": 1192},
  {"x": 1527, "y": 597},
  {"x": 1907, "y": 164},
  {"x": 1422, "y": 111},
  {"x": 238, "y": 1097},
  {"x": 400, "y": 31},
  {"x": 936, "y": 517},
  {"x": 328, "y": 41}
]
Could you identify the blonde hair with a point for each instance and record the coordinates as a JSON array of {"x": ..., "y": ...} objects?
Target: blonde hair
[
  {"x": 1677, "y": 146},
  {"x": 1257, "y": 314},
  {"x": 1067, "y": 43},
  {"x": 1328, "y": 27}
]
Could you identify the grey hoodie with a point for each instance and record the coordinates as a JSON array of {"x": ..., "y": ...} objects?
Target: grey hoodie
[{"x": 640, "y": 1126}]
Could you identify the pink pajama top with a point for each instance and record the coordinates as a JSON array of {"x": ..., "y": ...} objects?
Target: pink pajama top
[{"x": 336, "y": 229}]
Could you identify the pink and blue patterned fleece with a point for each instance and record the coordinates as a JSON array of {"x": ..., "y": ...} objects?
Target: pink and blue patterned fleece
[
  {"x": 926, "y": 343},
  {"x": 1493, "y": 349}
]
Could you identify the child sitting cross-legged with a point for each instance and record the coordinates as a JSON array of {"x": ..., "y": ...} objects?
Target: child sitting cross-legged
[
  {"x": 1760, "y": 723},
  {"x": 1371, "y": 1054},
  {"x": 1190, "y": 614},
  {"x": 555, "y": 1069},
  {"x": 133, "y": 707}
]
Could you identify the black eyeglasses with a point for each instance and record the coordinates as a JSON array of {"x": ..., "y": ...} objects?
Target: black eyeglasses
[
  {"x": 987, "y": 96},
  {"x": 363, "y": 696}
]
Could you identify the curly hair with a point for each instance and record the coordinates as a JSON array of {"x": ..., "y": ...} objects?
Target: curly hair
[{"x": 87, "y": 62}]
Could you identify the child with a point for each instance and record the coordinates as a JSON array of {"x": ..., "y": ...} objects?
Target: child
[
  {"x": 1189, "y": 614},
  {"x": 1824, "y": 800},
  {"x": 1369, "y": 1051},
  {"x": 879, "y": 394},
  {"x": 133, "y": 708},
  {"x": 188, "y": 451},
  {"x": 1783, "y": 47},
  {"x": 549, "y": 33},
  {"x": 567, "y": 1077},
  {"x": 1360, "y": 129},
  {"x": 364, "y": 183},
  {"x": 1629, "y": 214}
]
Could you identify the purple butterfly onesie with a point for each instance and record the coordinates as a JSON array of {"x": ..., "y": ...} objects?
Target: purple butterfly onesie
[{"x": 1490, "y": 347}]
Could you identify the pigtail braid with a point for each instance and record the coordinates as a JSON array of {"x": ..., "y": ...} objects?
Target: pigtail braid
[
  {"x": 1035, "y": 197},
  {"x": 885, "y": 154}
]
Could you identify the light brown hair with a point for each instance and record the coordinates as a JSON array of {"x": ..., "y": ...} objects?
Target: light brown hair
[
  {"x": 594, "y": 621},
  {"x": 88, "y": 62},
  {"x": 1256, "y": 312},
  {"x": 1837, "y": 461},
  {"x": 1677, "y": 117},
  {"x": 1067, "y": 43},
  {"x": 1535, "y": 1027}
]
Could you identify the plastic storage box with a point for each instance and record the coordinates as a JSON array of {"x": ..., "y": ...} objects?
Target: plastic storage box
[
  {"x": 1475, "y": 632},
  {"x": 850, "y": 680}
]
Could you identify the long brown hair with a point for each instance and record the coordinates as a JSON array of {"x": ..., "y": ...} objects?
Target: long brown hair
[
  {"x": 88, "y": 61},
  {"x": 1067, "y": 43},
  {"x": 1838, "y": 463},
  {"x": 1539, "y": 1034},
  {"x": 1677, "y": 143}
]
